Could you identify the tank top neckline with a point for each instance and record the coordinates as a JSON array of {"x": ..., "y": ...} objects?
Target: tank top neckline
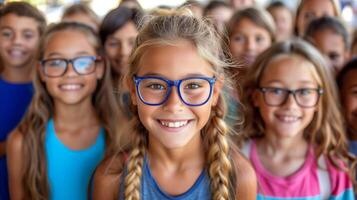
[
  {"x": 52, "y": 131},
  {"x": 309, "y": 160},
  {"x": 182, "y": 196}
]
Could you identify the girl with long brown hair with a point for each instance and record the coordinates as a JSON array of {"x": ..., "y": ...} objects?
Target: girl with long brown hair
[
  {"x": 297, "y": 142},
  {"x": 72, "y": 117}
]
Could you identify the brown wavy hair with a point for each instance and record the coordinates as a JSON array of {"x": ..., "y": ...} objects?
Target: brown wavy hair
[
  {"x": 41, "y": 109},
  {"x": 326, "y": 130},
  {"x": 167, "y": 28}
]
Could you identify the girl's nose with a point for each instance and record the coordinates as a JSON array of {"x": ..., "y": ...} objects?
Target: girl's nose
[{"x": 173, "y": 102}]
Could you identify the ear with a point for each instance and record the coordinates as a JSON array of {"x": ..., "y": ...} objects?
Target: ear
[
  {"x": 132, "y": 90},
  {"x": 217, "y": 89},
  {"x": 100, "y": 69}
]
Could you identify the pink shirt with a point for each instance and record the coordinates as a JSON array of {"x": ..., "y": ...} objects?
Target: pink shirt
[{"x": 303, "y": 184}]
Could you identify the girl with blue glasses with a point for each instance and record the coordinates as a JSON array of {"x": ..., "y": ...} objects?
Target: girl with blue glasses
[{"x": 177, "y": 145}]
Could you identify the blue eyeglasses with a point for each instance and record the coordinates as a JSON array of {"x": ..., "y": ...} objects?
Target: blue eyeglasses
[{"x": 155, "y": 90}]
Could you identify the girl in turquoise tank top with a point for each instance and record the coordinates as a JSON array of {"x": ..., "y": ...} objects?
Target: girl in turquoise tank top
[
  {"x": 177, "y": 145},
  {"x": 73, "y": 116}
]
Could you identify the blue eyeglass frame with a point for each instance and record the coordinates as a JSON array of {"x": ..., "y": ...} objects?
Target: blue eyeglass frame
[{"x": 170, "y": 83}]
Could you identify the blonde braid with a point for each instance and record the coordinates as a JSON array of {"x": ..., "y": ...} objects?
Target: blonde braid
[
  {"x": 135, "y": 163},
  {"x": 220, "y": 166}
]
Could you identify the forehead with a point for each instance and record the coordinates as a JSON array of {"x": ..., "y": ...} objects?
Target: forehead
[
  {"x": 16, "y": 22},
  {"x": 323, "y": 6},
  {"x": 174, "y": 61},
  {"x": 69, "y": 42},
  {"x": 127, "y": 30},
  {"x": 288, "y": 69},
  {"x": 329, "y": 39},
  {"x": 247, "y": 25}
]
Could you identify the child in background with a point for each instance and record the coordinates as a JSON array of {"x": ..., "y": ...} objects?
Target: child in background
[
  {"x": 331, "y": 38},
  {"x": 71, "y": 121},
  {"x": 250, "y": 32},
  {"x": 311, "y": 9},
  {"x": 347, "y": 83},
  {"x": 283, "y": 18},
  {"x": 297, "y": 141},
  {"x": 81, "y": 13},
  {"x": 21, "y": 26},
  {"x": 117, "y": 32},
  {"x": 219, "y": 12},
  {"x": 177, "y": 143}
]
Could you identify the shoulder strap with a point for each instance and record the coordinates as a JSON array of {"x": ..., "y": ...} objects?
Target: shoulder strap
[
  {"x": 324, "y": 179},
  {"x": 246, "y": 148}
]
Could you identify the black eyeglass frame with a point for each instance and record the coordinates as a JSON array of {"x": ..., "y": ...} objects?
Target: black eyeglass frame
[
  {"x": 68, "y": 61},
  {"x": 264, "y": 90}
]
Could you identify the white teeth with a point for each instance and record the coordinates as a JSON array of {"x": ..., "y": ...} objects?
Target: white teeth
[
  {"x": 288, "y": 118},
  {"x": 70, "y": 87},
  {"x": 16, "y": 53},
  {"x": 173, "y": 124}
]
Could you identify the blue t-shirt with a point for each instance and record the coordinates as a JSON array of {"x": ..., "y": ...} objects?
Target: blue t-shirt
[
  {"x": 69, "y": 171},
  {"x": 14, "y": 100}
]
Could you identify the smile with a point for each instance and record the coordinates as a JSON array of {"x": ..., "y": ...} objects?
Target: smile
[
  {"x": 174, "y": 124},
  {"x": 289, "y": 119},
  {"x": 71, "y": 86}
]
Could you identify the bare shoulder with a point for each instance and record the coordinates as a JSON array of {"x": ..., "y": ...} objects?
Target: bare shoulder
[
  {"x": 14, "y": 143},
  {"x": 246, "y": 178},
  {"x": 15, "y": 164},
  {"x": 107, "y": 178}
]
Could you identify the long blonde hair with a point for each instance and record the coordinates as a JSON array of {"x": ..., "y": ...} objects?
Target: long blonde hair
[
  {"x": 167, "y": 28},
  {"x": 326, "y": 130},
  {"x": 41, "y": 109}
]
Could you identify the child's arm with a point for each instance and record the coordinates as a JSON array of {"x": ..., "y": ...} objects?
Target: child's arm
[
  {"x": 15, "y": 165},
  {"x": 106, "y": 181},
  {"x": 246, "y": 178}
]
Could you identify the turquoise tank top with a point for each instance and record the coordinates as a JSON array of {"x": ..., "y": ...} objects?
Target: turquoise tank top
[
  {"x": 150, "y": 190},
  {"x": 69, "y": 171}
]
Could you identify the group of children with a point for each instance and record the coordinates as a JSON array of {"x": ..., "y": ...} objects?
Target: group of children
[{"x": 136, "y": 107}]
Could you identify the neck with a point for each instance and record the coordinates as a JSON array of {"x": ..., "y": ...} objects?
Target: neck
[
  {"x": 189, "y": 156},
  {"x": 74, "y": 116},
  {"x": 275, "y": 145},
  {"x": 17, "y": 74}
]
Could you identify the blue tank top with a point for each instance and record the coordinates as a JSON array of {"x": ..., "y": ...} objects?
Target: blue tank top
[
  {"x": 150, "y": 190},
  {"x": 69, "y": 171}
]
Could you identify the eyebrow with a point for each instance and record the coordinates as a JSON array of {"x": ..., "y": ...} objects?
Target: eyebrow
[
  {"x": 302, "y": 81},
  {"x": 187, "y": 75},
  {"x": 77, "y": 54}
]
